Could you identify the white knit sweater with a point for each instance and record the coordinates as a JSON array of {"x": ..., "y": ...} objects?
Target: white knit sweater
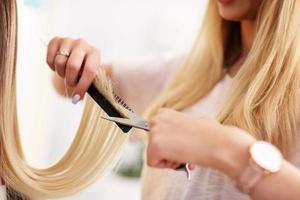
[{"x": 2, "y": 192}]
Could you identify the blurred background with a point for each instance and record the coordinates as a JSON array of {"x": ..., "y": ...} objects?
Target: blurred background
[{"x": 121, "y": 29}]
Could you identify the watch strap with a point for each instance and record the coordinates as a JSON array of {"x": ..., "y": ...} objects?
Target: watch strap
[{"x": 249, "y": 177}]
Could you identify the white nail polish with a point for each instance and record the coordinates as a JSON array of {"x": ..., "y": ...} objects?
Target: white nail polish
[{"x": 75, "y": 99}]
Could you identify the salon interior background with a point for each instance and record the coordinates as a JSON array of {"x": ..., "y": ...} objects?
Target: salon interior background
[{"x": 122, "y": 29}]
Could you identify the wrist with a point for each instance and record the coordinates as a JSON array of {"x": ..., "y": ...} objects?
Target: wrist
[{"x": 233, "y": 153}]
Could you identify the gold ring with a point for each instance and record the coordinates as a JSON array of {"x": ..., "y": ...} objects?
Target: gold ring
[{"x": 63, "y": 53}]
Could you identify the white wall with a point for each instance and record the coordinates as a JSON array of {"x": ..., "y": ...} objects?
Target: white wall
[{"x": 121, "y": 29}]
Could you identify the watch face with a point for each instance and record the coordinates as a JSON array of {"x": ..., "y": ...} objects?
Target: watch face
[{"x": 267, "y": 156}]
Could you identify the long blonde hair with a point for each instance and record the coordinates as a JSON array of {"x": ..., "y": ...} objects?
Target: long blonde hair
[
  {"x": 264, "y": 98},
  {"x": 264, "y": 94},
  {"x": 95, "y": 147}
]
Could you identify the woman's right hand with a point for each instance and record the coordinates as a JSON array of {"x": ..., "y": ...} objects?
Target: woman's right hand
[{"x": 78, "y": 64}]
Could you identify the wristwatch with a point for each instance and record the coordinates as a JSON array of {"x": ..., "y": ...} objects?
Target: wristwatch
[{"x": 265, "y": 159}]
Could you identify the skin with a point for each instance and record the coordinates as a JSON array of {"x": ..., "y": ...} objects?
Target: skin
[
  {"x": 239, "y": 10},
  {"x": 80, "y": 69},
  {"x": 209, "y": 143},
  {"x": 245, "y": 12},
  {"x": 217, "y": 146}
]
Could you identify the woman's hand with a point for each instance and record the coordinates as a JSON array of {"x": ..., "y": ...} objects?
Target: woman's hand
[
  {"x": 79, "y": 68},
  {"x": 178, "y": 138}
]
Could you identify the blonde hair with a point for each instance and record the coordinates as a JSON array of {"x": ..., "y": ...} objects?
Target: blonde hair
[
  {"x": 264, "y": 94},
  {"x": 95, "y": 147},
  {"x": 263, "y": 100}
]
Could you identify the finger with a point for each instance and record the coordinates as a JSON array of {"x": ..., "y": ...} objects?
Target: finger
[
  {"x": 74, "y": 64},
  {"x": 174, "y": 165},
  {"x": 53, "y": 48},
  {"x": 88, "y": 75},
  {"x": 158, "y": 163},
  {"x": 153, "y": 160},
  {"x": 60, "y": 61},
  {"x": 171, "y": 164},
  {"x": 191, "y": 166},
  {"x": 164, "y": 164},
  {"x": 167, "y": 164}
]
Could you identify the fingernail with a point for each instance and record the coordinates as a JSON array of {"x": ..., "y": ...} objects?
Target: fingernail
[{"x": 76, "y": 99}]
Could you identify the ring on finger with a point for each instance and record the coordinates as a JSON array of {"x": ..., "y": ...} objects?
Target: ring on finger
[{"x": 63, "y": 53}]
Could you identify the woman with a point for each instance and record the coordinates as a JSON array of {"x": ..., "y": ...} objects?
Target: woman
[{"x": 243, "y": 70}]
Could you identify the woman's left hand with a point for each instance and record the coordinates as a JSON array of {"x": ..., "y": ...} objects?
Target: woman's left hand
[{"x": 179, "y": 138}]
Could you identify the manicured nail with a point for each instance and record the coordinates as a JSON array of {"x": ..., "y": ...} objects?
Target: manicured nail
[{"x": 76, "y": 99}]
